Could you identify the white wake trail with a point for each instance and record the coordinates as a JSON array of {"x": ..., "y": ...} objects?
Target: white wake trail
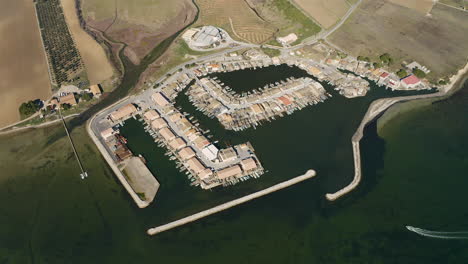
[{"x": 439, "y": 234}]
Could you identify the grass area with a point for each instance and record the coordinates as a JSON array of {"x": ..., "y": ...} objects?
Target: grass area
[
  {"x": 142, "y": 25},
  {"x": 378, "y": 27},
  {"x": 151, "y": 13},
  {"x": 271, "y": 52},
  {"x": 287, "y": 18},
  {"x": 176, "y": 54},
  {"x": 256, "y": 21},
  {"x": 142, "y": 196}
]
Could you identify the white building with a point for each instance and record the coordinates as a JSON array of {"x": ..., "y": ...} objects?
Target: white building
[{"x": 287, "y": 40}]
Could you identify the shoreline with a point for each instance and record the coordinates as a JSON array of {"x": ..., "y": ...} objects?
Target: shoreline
[
  {"x": 194, "y": 217},
  {"x": 408, "y": 106},
  {"x": 13, "y": 129},
  {"x": 375, "y": 109}
]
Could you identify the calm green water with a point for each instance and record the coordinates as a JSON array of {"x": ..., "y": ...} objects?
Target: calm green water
[
  {"x": 316, "y": 137},
  {"x": 249, "y": 79},
  {"x": 414, "y": 173}
]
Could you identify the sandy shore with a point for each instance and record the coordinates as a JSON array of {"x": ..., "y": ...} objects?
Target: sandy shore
[
  {"x": 155, "y": 230},
  {"x": 377, "y": 107}
]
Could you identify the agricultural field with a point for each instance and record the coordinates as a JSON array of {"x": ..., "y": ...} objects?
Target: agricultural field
[
  {"x": 97, "y": 65},
  {"x": 438, "y": 41},
  {"x": 325, "y": 12},
  {"x": 140, "y": 24},
  {"x": 455, "y": 3},
  {"x": 66, "y": 66},
  {"x": 423, "y": 6},
  {"x": 23, "y": 65}
]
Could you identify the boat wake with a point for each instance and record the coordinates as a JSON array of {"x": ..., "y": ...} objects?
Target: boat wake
[{"x": 438, "y": 234}]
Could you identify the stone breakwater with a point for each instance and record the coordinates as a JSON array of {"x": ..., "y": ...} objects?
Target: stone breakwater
[
  {"x": 155, "y": 230},
  {"x": 377, "y": 107}
]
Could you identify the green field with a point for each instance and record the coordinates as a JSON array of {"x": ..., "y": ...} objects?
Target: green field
[{"x": 287, "y": 18}]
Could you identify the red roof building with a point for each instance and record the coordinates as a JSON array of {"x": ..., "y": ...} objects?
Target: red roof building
[
  {"x": 284, "y": 100},
  {"x": 410, "y": 81}
]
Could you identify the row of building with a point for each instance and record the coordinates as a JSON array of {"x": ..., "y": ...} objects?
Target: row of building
[
  {"x": 238, "y": 112},
  {"x": 380, "y": 76},
  {"x": 205, "y": 164}
]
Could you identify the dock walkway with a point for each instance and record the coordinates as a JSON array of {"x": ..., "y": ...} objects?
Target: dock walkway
[{"x": 155, "y": 230}]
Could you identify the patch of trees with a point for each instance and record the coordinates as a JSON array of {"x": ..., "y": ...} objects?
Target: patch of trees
[
  {"x": 402, "y": 73},
  {"x": 64, "y": 58},
  {"x": 86, "y": 96},
  {"x": 386, "y": 59},
  {"x": 362, "y": 58},
  {"x": 28, "y": 108},
  {"x": 443, "y": 81},
  {"x": 66, "y": 106},
  {"x": 342, "y": 55},
  {"x": 419, "y": 73}
]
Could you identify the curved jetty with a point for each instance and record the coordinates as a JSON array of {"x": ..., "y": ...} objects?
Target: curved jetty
[
  {"x": 155, "y": 230},
  {"x": 374, "y": 110}
]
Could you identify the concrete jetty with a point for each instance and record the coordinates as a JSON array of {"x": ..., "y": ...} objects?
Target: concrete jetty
[
  {"x": 373, "y": 111},
  {"x": 155, "y": 230}
]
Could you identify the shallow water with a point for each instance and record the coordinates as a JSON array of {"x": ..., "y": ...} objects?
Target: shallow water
[{"x": 414, "y": 173}]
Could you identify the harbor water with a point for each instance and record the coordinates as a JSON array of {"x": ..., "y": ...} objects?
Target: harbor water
[{"x": 414, "y": 173}]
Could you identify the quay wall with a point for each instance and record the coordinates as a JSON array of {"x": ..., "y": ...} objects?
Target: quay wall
[
  {"x": 155, "y": 230},
  {"x": 140, "y": 203},
  {"x": 373, "y": 111}
]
